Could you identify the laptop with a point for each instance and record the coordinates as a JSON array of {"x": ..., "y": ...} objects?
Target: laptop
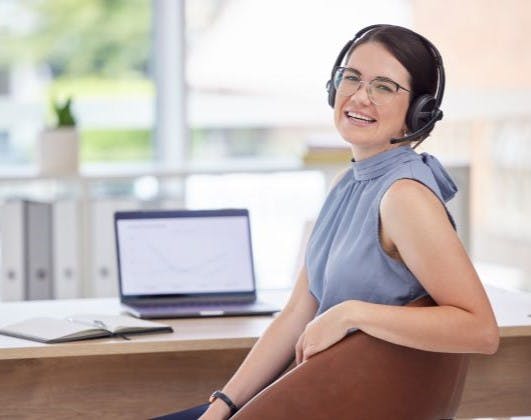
[{"x": 186, "y": 263}]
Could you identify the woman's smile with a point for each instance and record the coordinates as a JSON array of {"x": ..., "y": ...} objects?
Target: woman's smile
[{"x": 359, "y": 119}]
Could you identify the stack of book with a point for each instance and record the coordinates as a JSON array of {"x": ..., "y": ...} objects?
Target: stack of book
[{"x": 327, "y": 154}]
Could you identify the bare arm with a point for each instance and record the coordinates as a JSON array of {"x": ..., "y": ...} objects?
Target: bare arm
[
  {"x": 416, "y": 223},
  {"x": 272, "y": 353}
]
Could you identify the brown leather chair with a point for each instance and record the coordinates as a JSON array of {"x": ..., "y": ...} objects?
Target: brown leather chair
[{"x": 365, "y": 378}]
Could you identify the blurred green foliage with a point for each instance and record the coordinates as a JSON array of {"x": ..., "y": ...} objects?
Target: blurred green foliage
[
  {"x": 93, "y": 48},
  {"x": 85, "y": 37},
  {"x": 115, "y": 145},
  {"x": 97, "y": 86}
]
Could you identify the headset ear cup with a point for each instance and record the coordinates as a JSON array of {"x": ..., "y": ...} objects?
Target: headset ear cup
[
  {"x": 420, "y": 112},
  {"x": 331, "y": 93}
]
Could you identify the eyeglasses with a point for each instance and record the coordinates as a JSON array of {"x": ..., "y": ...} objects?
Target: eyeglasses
[{"x": 379, "y": 90}]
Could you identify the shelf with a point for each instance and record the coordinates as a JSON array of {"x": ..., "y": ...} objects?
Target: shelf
[{"x": 97, "y": 172}]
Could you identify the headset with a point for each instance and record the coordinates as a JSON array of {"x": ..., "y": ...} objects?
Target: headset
[{"x": 424, "y": 111}]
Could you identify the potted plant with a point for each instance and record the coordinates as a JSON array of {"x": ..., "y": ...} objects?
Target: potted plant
[{"x": 59, "y": 146}]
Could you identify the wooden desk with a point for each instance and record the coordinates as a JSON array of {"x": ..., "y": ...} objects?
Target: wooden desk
[{"x": 158, "y": 373}]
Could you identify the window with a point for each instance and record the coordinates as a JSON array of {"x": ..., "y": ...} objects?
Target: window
[
  {"x": 97, "y": 52},
  {"x": 255, "y": 88},
  {"x": 257, "y": 70}
]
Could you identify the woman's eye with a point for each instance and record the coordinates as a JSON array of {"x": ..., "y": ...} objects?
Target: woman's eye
[
  {"x": 384, "y": 88},
  {"x": 352, "y": 78}
]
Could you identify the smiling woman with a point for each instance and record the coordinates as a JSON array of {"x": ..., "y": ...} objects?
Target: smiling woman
[{"x": 383, "y": 242}]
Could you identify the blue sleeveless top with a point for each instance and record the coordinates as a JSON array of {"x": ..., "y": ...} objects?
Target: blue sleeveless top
[{"x": 344, "y": 257}]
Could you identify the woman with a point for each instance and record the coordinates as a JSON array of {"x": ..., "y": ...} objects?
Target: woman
[{"x": 383, "y": 237}]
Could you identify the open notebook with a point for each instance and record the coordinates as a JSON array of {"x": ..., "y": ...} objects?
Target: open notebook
[{"x": 80, "y": 327}]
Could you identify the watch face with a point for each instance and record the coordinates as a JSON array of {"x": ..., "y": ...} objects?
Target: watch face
[{"x": 213, "y": 397}]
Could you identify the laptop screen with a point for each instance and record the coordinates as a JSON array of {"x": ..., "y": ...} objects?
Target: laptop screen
[{"x": 184, "y": 252}]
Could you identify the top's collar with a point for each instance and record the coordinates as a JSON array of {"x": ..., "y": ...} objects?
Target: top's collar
[{"x": 381, "y": 163}]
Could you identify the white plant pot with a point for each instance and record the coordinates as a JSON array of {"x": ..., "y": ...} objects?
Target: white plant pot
[{"x": 59, "y": 151}]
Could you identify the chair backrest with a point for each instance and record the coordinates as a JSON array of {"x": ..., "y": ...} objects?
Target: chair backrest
[{"x": 362, "y": 377}]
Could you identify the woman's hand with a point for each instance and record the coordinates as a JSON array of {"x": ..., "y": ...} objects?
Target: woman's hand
[{"x": 321, "y": 333}]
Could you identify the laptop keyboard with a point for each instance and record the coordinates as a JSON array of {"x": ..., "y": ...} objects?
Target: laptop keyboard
[{"x": 194, "y": 307}]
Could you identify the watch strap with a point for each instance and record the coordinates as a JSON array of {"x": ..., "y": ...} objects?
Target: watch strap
[{"x": 222, "y": 396}]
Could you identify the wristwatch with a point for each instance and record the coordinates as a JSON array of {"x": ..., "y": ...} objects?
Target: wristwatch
[{"x": 218, "y": 394}]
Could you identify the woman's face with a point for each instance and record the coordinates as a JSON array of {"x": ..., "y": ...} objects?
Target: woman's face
[{"x": 387, "y": 121}]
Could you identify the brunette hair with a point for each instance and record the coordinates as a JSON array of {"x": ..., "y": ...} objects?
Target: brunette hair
[{"x": 411, "y": 51}]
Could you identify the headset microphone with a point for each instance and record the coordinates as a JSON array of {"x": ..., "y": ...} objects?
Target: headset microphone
[{"x": 424, "y": 111}]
